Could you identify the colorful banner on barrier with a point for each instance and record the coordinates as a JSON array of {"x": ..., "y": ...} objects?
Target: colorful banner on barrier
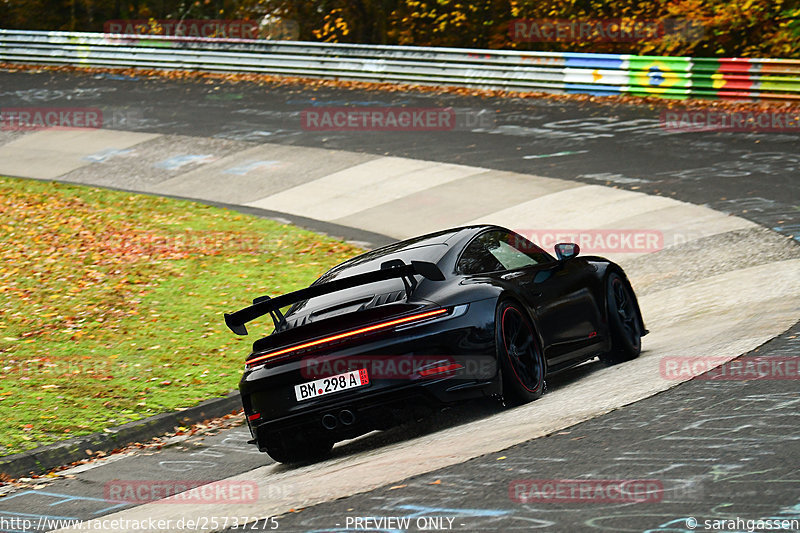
[{"x": 602, "y": 74}]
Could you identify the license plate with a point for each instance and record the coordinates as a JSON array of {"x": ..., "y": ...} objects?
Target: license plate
[{"x": 339, "y": 382}]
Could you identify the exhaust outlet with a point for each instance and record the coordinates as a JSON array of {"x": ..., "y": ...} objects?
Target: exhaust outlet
[
  {"x": 347, "y": 417},
  {"x": 329, "y": 421}
]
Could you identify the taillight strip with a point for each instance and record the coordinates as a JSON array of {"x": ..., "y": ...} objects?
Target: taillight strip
[{"x": 382, "y": 325}]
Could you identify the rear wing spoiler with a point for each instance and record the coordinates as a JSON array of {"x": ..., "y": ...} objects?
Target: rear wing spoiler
[{"x": 389, "y": 270}]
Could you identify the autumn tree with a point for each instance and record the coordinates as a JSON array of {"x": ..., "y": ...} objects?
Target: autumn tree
[{"x": 745, "y": 28}]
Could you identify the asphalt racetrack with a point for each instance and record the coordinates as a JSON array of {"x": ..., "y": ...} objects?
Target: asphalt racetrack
[{"x": 723, "y": 280}]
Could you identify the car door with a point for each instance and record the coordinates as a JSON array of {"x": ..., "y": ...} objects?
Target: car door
[{"x": 556, "y": 292}]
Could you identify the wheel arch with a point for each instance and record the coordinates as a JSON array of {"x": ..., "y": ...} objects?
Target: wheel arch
[
  {"x": 509, "y": 296},
  {"x": 609, "y": 268}
]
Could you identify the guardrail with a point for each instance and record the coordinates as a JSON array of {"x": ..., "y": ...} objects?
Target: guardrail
[{"x": 560, "y": 72}]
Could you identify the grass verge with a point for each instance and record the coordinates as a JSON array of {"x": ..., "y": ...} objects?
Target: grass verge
[{"x": 111, "y": 303}]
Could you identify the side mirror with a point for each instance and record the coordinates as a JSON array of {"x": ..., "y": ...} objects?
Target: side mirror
[{"x": 567, "y": 250}]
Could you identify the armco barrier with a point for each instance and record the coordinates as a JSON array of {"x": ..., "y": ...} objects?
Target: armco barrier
[{"x": 560, "y": 72}]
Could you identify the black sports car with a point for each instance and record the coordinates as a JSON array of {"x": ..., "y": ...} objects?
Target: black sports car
[{"x": 470, "y": 312}]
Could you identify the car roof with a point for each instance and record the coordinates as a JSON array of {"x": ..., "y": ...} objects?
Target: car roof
[
  {"x": 433, "y": 247},
  {"x": 430, "y": 247}
]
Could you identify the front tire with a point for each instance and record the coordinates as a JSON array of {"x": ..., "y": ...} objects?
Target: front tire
[
  {"x": 623, "y": 321},
  {"x": 521, "y": 359}
]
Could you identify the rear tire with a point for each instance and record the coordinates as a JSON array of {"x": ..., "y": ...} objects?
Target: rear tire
[
  {"x": 301, "y": 448},
  {"x": 522, "y": 364},
  {"x": 623, "y": 321}
]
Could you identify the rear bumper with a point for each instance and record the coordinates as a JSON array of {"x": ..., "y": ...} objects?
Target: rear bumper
[
  {"x": 396, "y": 390},
  {"x": 351, "y": 416}
]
